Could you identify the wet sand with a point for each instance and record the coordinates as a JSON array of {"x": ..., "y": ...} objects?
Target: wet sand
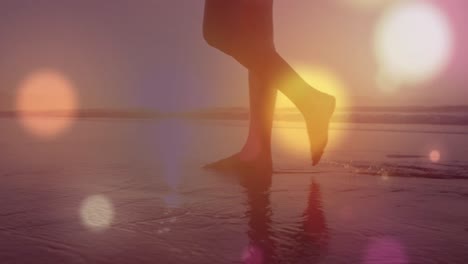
[{"x": 113, "y": 191}]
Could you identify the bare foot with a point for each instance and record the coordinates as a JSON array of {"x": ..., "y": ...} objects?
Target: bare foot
[
  {"x": 235, "y": 164},
  {"x": 317, "y": 118}
]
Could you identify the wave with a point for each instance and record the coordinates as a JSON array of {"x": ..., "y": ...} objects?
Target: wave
[
  {"x": 386, "y": 169},
  {"x": 389, "y": 118},
  {"x": 414, "y": 169},
  {"x": 404, "y": 118},
  {"x": 410, "y": 109}
]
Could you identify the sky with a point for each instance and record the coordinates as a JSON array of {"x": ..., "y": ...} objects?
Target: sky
[{"x": 151, "y": 54}]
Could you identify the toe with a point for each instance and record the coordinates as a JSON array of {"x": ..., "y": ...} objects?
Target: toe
[{"x": 316, "y": 158}]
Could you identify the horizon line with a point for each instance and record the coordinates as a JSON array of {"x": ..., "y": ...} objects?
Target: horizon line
[{"x": 445, "y": 107}]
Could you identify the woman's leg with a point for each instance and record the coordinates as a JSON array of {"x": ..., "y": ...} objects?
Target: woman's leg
[
  {"x": 250, "y": 42},
  {"x": 224, "y": 29},
  {"x": 316, "y": 107},
  {"x": 262, "y": 106},
  {"x": 256, "y": 152},
  {"x": 262, "y": 245},
  {"x": 252, "y": 45}
]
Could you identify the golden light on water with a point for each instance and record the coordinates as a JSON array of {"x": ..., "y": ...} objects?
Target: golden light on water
[
  {"x": 97, "y": 212},
  {"x": 296, "y": 140},
  {"x": 46, "y": 103},
  {"x": 413, "y": 43}
]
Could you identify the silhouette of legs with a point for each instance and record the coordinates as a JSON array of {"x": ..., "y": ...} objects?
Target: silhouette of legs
[
  {"x": 243, "y": 29},
  {"x": 262, "y": 246},
  {"x": 316, "y": 107},
  {"x": 262, "y": 106},
  {"x": 307, "y": 245},
  {"x": 256, "y": 152},
  {"x": 313, "y": 238}
]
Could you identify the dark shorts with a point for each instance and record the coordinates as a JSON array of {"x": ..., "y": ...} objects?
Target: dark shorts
[{"x": 242, "y": 23}]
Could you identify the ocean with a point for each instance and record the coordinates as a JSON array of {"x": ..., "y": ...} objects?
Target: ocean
[{"x": 132, "y": 190}]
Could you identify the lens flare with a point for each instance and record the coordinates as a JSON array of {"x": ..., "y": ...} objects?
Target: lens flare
[
  {"x": 97, "y": 212},
  {"x": 172, "y": 200},
  {"x": 413, "y": 43},
  {"x": 171, "y": 150},
  {"x": 46, "y": 103},
  {"x": 292, "y": 139}
]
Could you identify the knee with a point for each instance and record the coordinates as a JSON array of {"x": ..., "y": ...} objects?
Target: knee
[
  {"x": 209, "y": 38},
  {"x": 257, "y": 58},
  {"x": 214, "y": 39},
  {"x": 250, "y": 54},
  {"x": 222, "y": 43}
]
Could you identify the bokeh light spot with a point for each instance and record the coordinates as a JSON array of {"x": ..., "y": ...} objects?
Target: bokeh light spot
[
  {"x": 385, "y": 176},
  {"x": 434, "y": 156},
  {"x": 413, "y": 42},
  {"x": 97, "y": 212},
  {"x": 46, "y": 103},
  {"x": 252, "y": 255}
]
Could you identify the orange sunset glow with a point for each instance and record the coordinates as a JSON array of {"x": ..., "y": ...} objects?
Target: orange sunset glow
[
  {"x": 325, "y": 80},
  {"x": 46, "y": 102}
]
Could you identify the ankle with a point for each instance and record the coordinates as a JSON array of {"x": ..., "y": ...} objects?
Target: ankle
[{"x": 251, "y": 152}]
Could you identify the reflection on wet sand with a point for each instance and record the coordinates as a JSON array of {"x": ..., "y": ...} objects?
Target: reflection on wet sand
[{"x": 308, "y": 243}]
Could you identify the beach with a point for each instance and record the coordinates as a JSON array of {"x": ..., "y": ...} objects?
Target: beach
[{"x": 134, "y": 191}]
